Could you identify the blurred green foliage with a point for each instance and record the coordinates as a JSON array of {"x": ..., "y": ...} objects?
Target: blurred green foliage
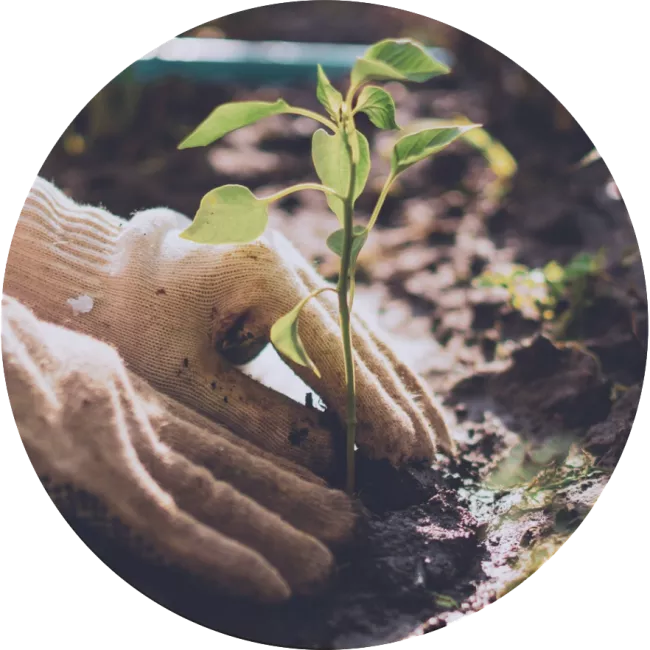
[{"x": 538, "y": 293}]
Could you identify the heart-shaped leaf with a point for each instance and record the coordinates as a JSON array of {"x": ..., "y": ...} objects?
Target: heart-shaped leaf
[
  {"x": 336, "y": 239},
  {"x": 379, "y": 106},
  {"x": 328, "y": 96},
  {"x": 332, "y": 163},
  {"x": 401, "y": 59},
  {"x": 420, "y": 145},
  {"x": 230, "y": 117},
  {"x": 230, "y": 214},
  {"x": 287, "y": 341}
]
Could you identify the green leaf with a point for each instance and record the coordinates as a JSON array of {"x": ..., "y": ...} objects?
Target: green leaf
[
  {"x": 501, "y": 161},
  {"x": 332, "y": 164},
  {"x": 359, "y": 236},
  {"x": 287, "y": 341},
  {"x": 402, "y": 59},
  {"x": 583, "y": 264},
  {"x": 446, "y": 602},
  {"x": 420, "y": 145},
  {"x": 379, "y": 106},
  {"x": 328, "y": 96},
  {"x": 230, "y": 117},
  {"x": 230, "y": 214}
]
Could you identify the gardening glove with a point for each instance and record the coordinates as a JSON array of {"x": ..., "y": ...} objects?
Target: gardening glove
[
  {"x": 136, "y": 466},
  {"x": 173, "y": 309}
]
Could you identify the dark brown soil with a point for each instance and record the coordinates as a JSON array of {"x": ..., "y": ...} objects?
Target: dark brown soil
[{"x": 540, "y": 414}]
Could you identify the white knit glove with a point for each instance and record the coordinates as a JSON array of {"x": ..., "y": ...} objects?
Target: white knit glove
[
  {"x": 125, "y": 463},
  {"x": 171, "y": 307}
]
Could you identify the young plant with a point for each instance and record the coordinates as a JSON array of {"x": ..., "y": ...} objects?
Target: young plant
[
  {"x": 341, "y": 156},
  {"x": 539, "y": 293}
]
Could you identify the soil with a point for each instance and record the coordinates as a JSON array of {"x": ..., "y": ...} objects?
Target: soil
[{"x": 541, "y": 416}]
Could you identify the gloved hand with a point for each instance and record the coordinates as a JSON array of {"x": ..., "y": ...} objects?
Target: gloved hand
[
  {"x": 172, "y": 308},
  {"x": 170, "y": 484}
]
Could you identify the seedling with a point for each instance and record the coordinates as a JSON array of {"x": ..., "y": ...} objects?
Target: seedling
[
  {"x": 341, "y": 155},
  {"x": 538, "y": 293}
]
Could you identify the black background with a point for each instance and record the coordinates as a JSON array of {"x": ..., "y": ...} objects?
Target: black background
[{"x": 596, "y": 65}]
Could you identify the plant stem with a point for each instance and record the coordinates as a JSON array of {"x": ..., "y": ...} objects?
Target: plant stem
[
  {"x": 313, "y": 294},
  {"x": 373, "y": 218},
  {"x": 350, "y": 96},
  {"x": 380, "y": 202},
  {"x": 343, "y": 288},
  {"x": 313, "y": 115},
  {"x": 298, "y": 188}
]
